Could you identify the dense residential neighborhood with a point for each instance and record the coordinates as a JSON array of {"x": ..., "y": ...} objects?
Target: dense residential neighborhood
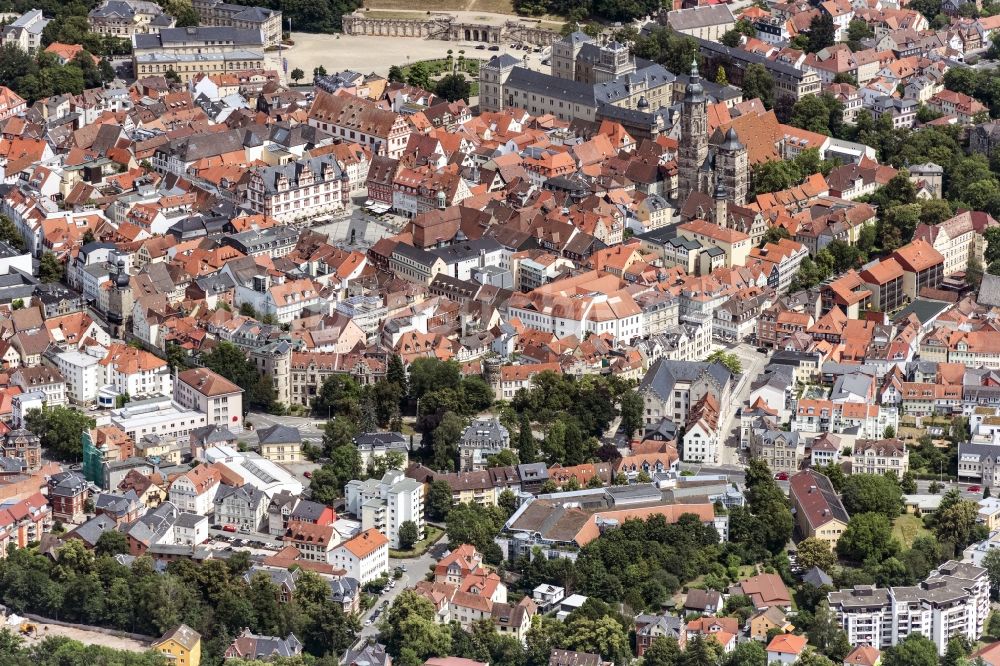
[{"x": 620, "y": 334}]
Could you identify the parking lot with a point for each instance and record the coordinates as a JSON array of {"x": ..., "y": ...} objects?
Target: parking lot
[{"x": 257, "y": 545}]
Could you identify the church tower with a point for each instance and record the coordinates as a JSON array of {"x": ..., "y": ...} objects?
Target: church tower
[
  {"x": 732, "y": 168},
  {"x": 693, "y": 145},
  {"x": 720, "y": 208}
]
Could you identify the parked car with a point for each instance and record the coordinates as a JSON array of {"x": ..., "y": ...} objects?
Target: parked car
[
  {"x": 308, "y": 475},
  {"x": 975, "y": 489},
  {"x": 781, "y": 476},
  {"x": 229, "y": 528}
]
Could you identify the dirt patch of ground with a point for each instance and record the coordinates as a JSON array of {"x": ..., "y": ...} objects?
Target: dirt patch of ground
[
  {"x": 377, "y": 54},
  {"x": 87, "y": 637}
]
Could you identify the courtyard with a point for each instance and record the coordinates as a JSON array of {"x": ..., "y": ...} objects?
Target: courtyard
[{"x": 367, "y": 54}]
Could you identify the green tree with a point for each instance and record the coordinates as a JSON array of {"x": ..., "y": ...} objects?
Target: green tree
[
  {"x": 604, "y": 636},
  {"x": 297, "y": 75},
  {"x": 908, "y": 484},
  {"x": 10, "y": 234},
  {"x": 773, "y": 176},
  {"x": 747, "y": 653},
  {"x": 408, "y": 535},
  {"x": 60, "y": 429},
  {"x": 858, "y": 30},
  {"x": 453, "y": 87},
  {"x": 664, "y": 651},
  {"x": 410, "y": 633},
  {"x": 992, "y": 251},
  {"x": 822, "y": 114},
  {"x": 701, "y": 651},
  {"x": 439, "y": 500},
  {"x": 826, "y": 635},
  {"x": 504, "y": 458},
  {"x": 731, "y": 361},
  {"x": 328, "y": 482},
  {"x": 974, "y": 272},
  {"x": 758, "y": 83},
  {"x": 396, "y": 374},
  {"x": 527, "y": 448},
  {"x": 231, "y": 362},
  {"x": 446, "y": 438},
  {"x": 775, "y": 234},
  {"x": 112, "y": 543},
  {"x": 379, "y": 465},
  {"x": 429, "y": 374},
  {"x": 957, "y": 650},
  {"x": 720, "y": 76},
  {"x": 867, "y": 493},
  {"x": 991, "y": 562},
  {"x": 340, "y": 395},
  {"x": 731, "y": 38},
  {"x": 821, "y": 32},
  {"x": 49, "y": 268},
  {"x": 914, "y": 650},
  {"x": 339, "y": 432},
  {"x": 508, "y": 502},
  {"x": 419, "y": 75},
  {"x": 868, "y": 535},
  {"x": 474, "y": 524},
  {"x": 813, "y": 552},
  {"x": 955, "y": 521},
  {"x": 632, "y": 408}
]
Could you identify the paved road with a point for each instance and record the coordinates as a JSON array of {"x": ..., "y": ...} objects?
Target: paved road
[
  {"x": 753, "y": 364},
  {"x": 311, "y": 428},
  {"x": 923, "y": 488},
  {"x": 359, "y": 231},
  {"x": 416, "y": 570}
]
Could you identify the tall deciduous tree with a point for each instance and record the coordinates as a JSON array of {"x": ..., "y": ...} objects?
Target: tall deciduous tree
[
  {"x": 867, "y": 535},
  {"x": 821, "y": 32},
  {"x": 439, "y": 500},
  {"x": 60, "y": 429},
  {"x": 914, "y": 650},
  {"x": 49, "y": 268},
  {"x": 758, "y": 83},
  {"x": 812, "y": 552},
  {"x": 632, "y": 407}
]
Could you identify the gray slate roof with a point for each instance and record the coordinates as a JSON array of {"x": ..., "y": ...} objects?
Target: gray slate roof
[
  {"x": 279, "y": 434},
  {"x": 661, "y": 378},
  {"x": 989, "y": 290}
]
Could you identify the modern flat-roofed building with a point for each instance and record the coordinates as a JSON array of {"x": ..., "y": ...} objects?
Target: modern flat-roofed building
[
  {"x": 952, "y": 601},
  {"x": 157, "y": 416}
]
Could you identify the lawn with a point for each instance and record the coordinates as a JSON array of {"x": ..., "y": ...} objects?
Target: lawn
[
  {"x": 908, "y": 527},
  {"x": 384, "y": 14},
  {"x": 495, "y": 6},
  {"x": 437, "y": 67},
  {"x": 420, "y": 547},
  {"x": 426, "y": 6}
]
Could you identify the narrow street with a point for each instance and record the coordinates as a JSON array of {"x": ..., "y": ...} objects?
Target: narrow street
[
  {"x": 753, "y": 363},
  {"x": 416, "y": 570}
]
